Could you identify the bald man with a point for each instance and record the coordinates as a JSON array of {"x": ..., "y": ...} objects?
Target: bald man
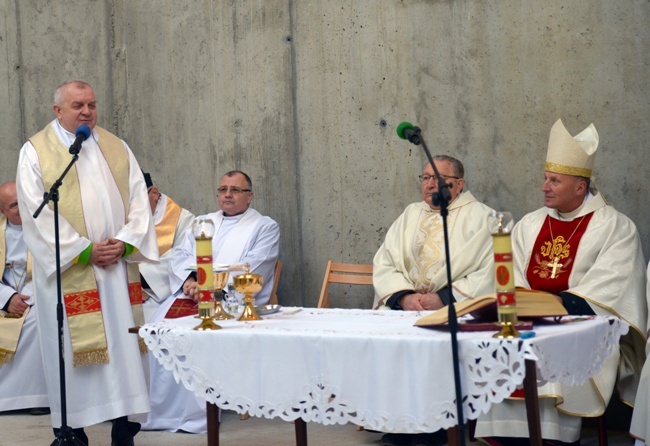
[{"x": 21, "y": 364}]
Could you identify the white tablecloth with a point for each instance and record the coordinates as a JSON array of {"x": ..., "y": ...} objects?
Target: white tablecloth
[{"x": 371, "y": 368}]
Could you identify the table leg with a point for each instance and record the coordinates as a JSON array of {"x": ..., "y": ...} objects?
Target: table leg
[
  {"x": 213, "y": 424},
  {"x": 532, "y": 404},
  {"x": 453, "y": 438},
  {"x": 301, "y": 432}
]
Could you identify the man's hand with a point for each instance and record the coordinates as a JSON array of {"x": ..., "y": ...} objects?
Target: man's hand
[
  {"x": 107, "y": 253},
  {"x": 17, "y": 305},
  {"x": 191, "y": 289},
  {"x": 421, "y": 302}
]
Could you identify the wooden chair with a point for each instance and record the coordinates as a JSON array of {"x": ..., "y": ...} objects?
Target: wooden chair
[
  {"x": 345, "y": 273},
  {"x": 273, "y": 300}
]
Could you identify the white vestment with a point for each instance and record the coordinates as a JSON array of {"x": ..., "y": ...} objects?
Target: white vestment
[
  {"x": 99, "y": 392},
  {"x": 609, "y": 273},
  {"x": 157, "y": 275},
  {"x": 249, "y": 237},
  {"x": 412, "y": 256},
  {"x": 640, "y": 426},
  {"x": 22, "y": 381}
]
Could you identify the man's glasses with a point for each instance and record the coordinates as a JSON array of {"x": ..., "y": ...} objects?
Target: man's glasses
[
  {"x": 233, "y": 190},
  {"x": 425, "y": 178}
]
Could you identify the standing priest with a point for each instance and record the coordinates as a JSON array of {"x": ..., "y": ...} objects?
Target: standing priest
[
  {"x": 105, "y": 229},
  {"x": 588, "y": 254}
]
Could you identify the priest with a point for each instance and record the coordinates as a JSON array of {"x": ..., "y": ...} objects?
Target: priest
[
  {"x": 172, "y": 223},
  {"x": 581, "y": 249},
  {"x": 105, "y": 229},
  {"x": 409, "y": 269},
  {"x": 242, "y": 234},
  {"x": 21, "y": 362}
]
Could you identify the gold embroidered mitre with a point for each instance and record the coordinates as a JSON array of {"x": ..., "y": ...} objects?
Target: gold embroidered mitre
[{"x": 571, "y": 155}]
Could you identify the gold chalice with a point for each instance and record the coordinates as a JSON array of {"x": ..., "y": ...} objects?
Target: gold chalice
[
  {"x": 220, "y": 280},
  {"x": 248, "y": 284}
]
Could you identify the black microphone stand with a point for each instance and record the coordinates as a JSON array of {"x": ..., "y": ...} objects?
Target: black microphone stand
[
  {"x": 65, "y": 435},
  {"x": 442, "y": 198}
]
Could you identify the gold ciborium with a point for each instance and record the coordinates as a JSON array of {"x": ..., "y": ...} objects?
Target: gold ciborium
[
  {"x": 248, "y": 284},
  {"x": 220, "y": 280}
]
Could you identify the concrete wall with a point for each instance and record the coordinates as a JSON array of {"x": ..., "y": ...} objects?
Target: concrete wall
[{"x": 305, "y": 96}]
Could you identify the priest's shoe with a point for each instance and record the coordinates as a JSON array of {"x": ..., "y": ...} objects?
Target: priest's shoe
[
  {"x": 517, "y": 441},
  {"x": 123, "y": 431},
  {"x": 435, "y": 439}
]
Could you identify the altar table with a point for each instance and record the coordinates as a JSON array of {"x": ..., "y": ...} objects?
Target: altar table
[{"x": 369, "y": 367}]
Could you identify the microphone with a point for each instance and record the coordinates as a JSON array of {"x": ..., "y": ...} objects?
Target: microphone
[
  {"x": 82, "y": 134},
  {"x": 406, "y": 131}
]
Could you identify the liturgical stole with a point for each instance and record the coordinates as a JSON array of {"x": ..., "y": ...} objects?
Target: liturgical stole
[
  {"x": 166, "y": 229},
  {"x": 81, "y": 296}
]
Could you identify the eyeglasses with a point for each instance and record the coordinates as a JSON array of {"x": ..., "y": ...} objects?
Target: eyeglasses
[
  {"x": 425, "y": 178},
  {"x": 233, "y": 190}
]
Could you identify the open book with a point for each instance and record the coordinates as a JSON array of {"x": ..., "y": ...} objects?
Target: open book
[{"x": 530, "y": 304}]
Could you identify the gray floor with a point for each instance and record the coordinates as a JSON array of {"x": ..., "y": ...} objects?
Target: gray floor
[{"x": 20, "y": 428}]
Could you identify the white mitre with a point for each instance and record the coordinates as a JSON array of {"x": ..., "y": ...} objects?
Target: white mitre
[{"x": 571, "y": 155}]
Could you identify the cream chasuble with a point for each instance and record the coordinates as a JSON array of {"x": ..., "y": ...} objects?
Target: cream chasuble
[
  {"x": 608, "y": 271},
  {"x": 108, "y": 209},
  {"x": 78, "y": 282},
  {"x": 412, "y": 256}
]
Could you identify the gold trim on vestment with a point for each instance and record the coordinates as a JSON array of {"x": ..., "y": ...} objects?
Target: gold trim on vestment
[
  {"x": 588, "y": 415},
  {"x": 99, "y": 356},
  {"x": 6, "y": 357},
  {"x": 166, "y": 229},
  {"x": 568, "y": 170},
  {"x": 560, "y": 398},
  {"x": 614, "y": 312}
]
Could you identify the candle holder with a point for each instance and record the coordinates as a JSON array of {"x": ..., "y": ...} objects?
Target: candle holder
[
  {"x": 203, "y": 230},
  {"x": 500, "y": 225},
  {"x": 248, "y": 284}
]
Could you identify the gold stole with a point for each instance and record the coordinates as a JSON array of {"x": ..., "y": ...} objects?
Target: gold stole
[
  {"x": 428, "y": 251},
  {"x": 10, "y": 326},
  {"x": 166, "y": 229},
  {"x": 81, "y": 296}
]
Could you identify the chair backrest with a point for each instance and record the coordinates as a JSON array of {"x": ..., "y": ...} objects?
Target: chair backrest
[
  {"x": 273, "y": 300},
  {"x": 345, "y": 273}
]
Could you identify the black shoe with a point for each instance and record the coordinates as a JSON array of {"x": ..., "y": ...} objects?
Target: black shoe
[
  {"x": 435, "y": 439},
  {"x": 123, "y": 431},
  {"x": 39, "y": 411},
  {"x": 517, "y": 441}
]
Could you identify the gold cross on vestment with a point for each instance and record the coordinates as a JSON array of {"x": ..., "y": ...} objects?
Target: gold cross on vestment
[{"x": 555, "y": 266}]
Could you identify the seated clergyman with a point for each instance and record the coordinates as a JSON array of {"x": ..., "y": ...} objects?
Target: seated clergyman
[
  {"x": 243, "y": 235},
  {"x": 409, "y": 269},
  {"x": 588, "y": 254}
]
